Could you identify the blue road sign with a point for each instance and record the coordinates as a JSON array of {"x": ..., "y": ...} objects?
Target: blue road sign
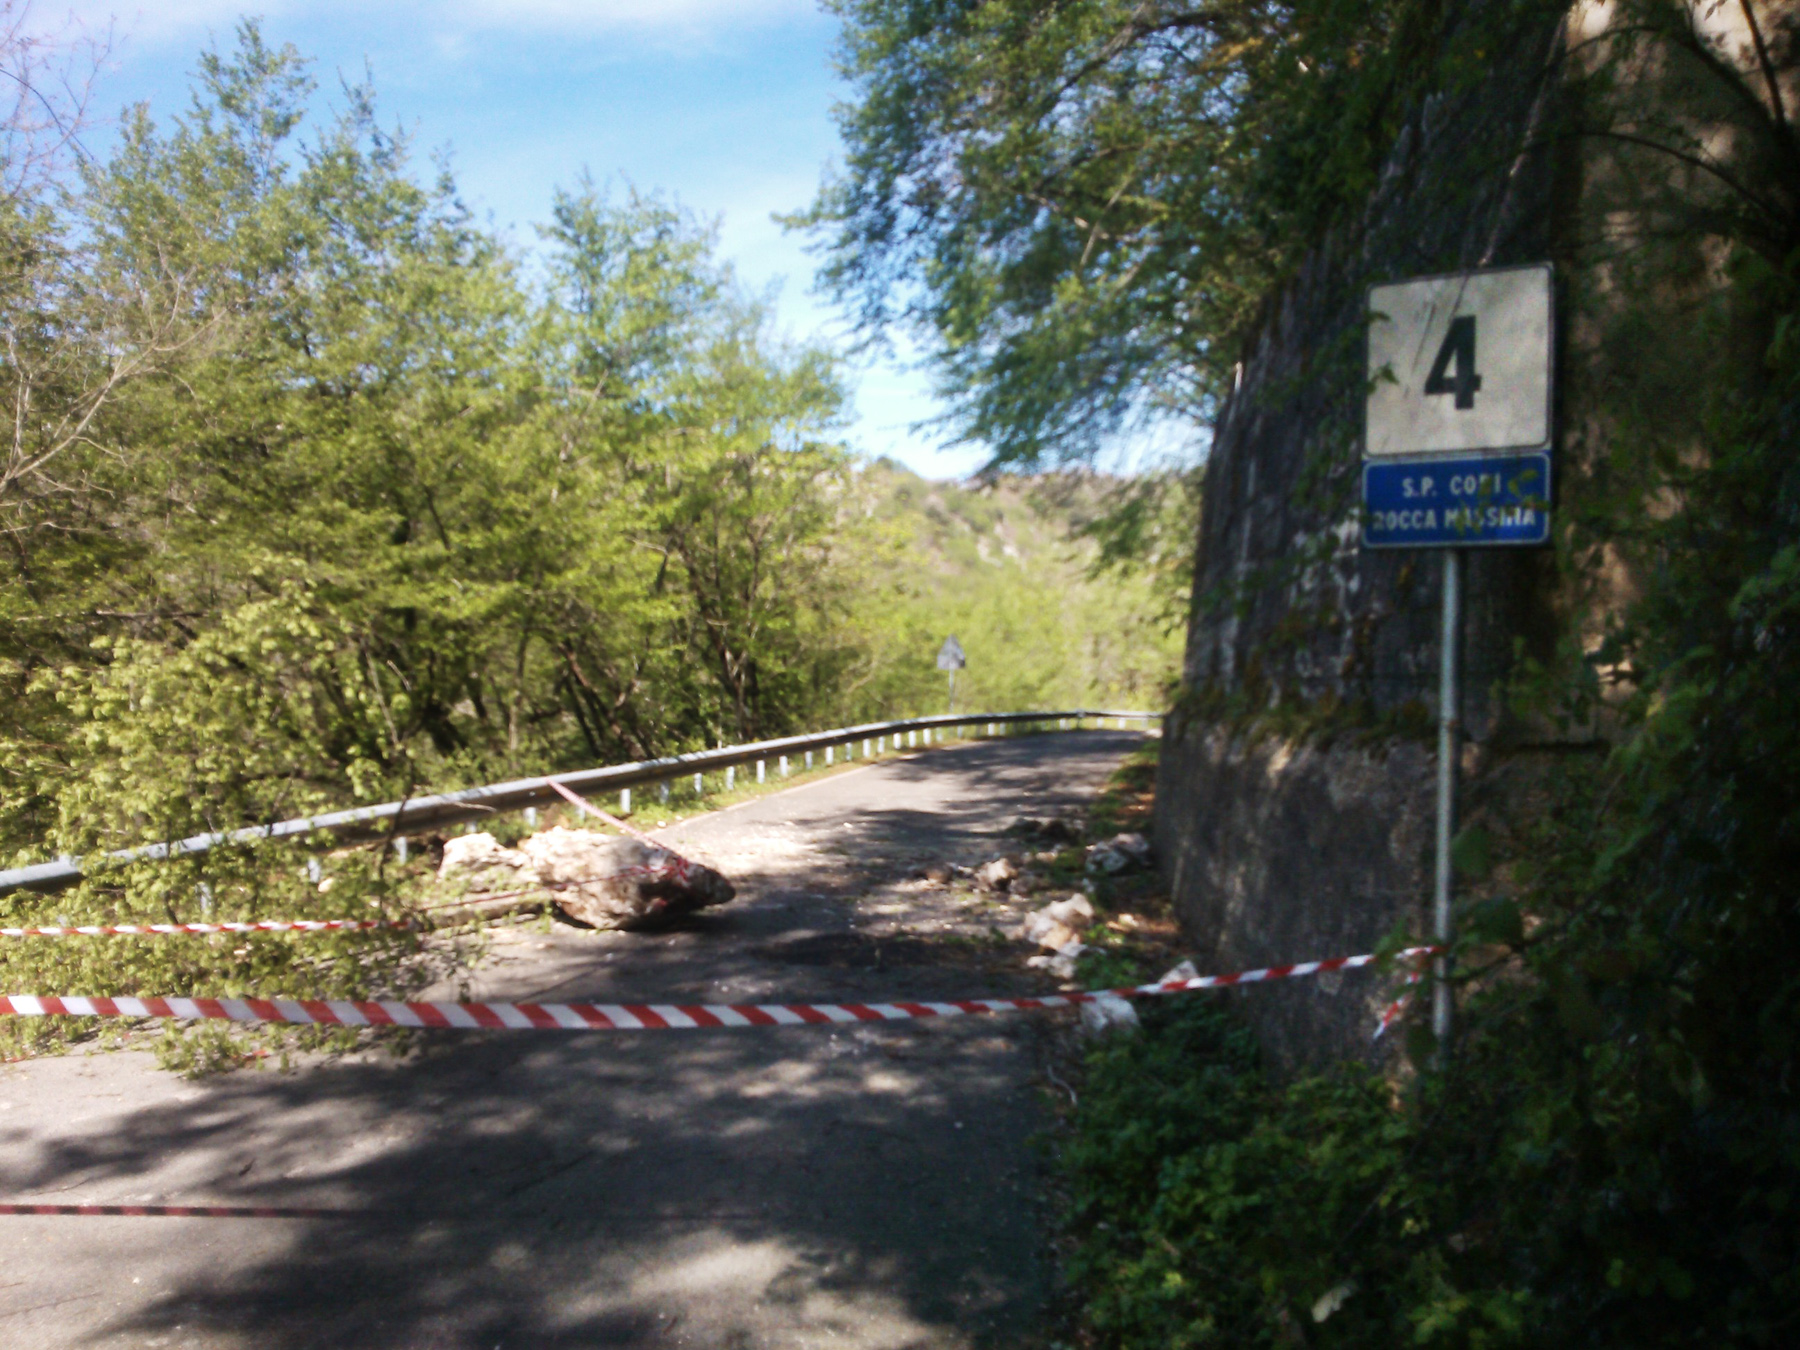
[{"x": 1459, "y": 503}]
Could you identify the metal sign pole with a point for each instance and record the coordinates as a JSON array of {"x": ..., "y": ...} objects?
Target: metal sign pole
[
  {"x": 1449, "y": 735},
  {"x": 1458, "y": 429},
  {"x": 951, "y": 659}
]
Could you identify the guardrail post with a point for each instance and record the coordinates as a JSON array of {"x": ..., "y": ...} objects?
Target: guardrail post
[
  {"x": 531, "y": 817},
  {"x": 699, "y": 785},
  {"x": 400, "y": 848},
  {"x": 784, "y": 766},
  {"x": 828, "y": 756},
  {"x": 761, "y": 764},
  {"x": 664, "y": 794},
  {"x": 809, "y": 759},
  {"x": 730, "y": 776},
  {"x": 624, "y": 801}
]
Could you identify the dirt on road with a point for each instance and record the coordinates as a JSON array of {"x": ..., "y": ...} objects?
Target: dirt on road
[{"x": 865, "y": 1186}]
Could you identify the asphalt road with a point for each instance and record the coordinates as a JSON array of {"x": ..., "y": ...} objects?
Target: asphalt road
[{"x": 865, "y": 1187}]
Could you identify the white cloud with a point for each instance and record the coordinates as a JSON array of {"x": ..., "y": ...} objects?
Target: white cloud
[
  {"x": 148, "y": 23},
  {"x": 166, "y": 20},
  {"x": 604, "y": 15}
]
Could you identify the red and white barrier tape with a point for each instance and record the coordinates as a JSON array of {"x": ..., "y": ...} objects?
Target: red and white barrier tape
[
  {"x": 163, "y": 929},
  {"x": 615, "y": 1016},
  {"x": 677, "y": 866},
  {"x": 1417, "y": 959},
  {"x": 583, "y": 804}
]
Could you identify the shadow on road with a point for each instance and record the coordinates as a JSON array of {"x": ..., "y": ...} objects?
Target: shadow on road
[
  {"x": 868, "y": 1185},
  {"x": 602, "y": 1190}
]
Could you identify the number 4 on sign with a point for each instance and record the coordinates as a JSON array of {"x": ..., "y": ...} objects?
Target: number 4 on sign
[
  {"x": 1422, "y": 346},
  {"x": 1458, "y": 349}
]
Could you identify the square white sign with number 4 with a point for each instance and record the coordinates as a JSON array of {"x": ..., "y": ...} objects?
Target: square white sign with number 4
[{"x": 1460, "y": 363}]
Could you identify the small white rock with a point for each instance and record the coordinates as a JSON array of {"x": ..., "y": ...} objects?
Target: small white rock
[
  {"x": 1132, "y": 845},
  {"x": 997, "y": 875},
  {"x": 1061, "y": 963},
  {"x": 476, "y": 853},
  {"x": 1102, "y": 858},
  {"x": 1184, "y": 971},
  {"x": 1076, "y": 912},
  {"x": 1106, "y": 1014}
]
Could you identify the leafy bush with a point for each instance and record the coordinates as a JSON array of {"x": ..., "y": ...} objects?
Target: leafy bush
[
  {"x": 268, "y": 881},
  {"x": 1213, "y": 1210}
]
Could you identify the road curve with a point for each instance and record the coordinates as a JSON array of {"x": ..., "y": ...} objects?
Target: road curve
[{"x": 864, "y": 1187}]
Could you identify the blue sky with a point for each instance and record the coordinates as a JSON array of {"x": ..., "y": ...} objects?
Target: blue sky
[{"x": 724, "y": 103}]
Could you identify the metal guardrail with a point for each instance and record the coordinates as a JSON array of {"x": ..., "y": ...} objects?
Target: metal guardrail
[{"x": 398, "y": 819}]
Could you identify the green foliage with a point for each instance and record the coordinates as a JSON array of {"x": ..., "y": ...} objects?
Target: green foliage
[
  {"x": 1511, "y": 1204},
  {"x": 1006, "y": 566},
  {"x": 316, "y": 497},
  {"x": 1081, "y": 206},
  {"x": 1212, "y": 1210},
  {"x": 1613, "y": 1156},
  {"x": 1125, "y": 802},
  {"x": 313, "y": 499},
  {"x": 266, "y": 882}
]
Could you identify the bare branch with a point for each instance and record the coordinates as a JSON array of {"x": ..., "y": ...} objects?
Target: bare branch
[
  {"x": 1768, "y": 66},
  {"x": 53, "y": 80}
]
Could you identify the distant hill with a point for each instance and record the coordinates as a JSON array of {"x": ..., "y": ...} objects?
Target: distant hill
[{"x": 1003, "y": 565}]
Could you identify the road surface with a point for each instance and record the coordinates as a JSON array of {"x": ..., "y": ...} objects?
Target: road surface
[{"x": 869, "y": 1187}]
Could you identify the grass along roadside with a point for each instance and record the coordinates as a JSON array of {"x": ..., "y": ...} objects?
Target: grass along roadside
[{"x": 1201, "y": 1203}]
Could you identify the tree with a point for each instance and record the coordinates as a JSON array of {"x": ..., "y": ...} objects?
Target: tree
[
  {"x": 317, "y": 500},
  {"x": 1080, "y": 206}
]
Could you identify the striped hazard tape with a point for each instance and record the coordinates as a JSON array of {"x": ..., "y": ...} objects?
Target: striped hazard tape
[
  {"x": 672, "y": 864},
  {"x": 1415, "y": 959},
  {"x": 163, "y": 929},
  {"x": 619, "y": 1016}
]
